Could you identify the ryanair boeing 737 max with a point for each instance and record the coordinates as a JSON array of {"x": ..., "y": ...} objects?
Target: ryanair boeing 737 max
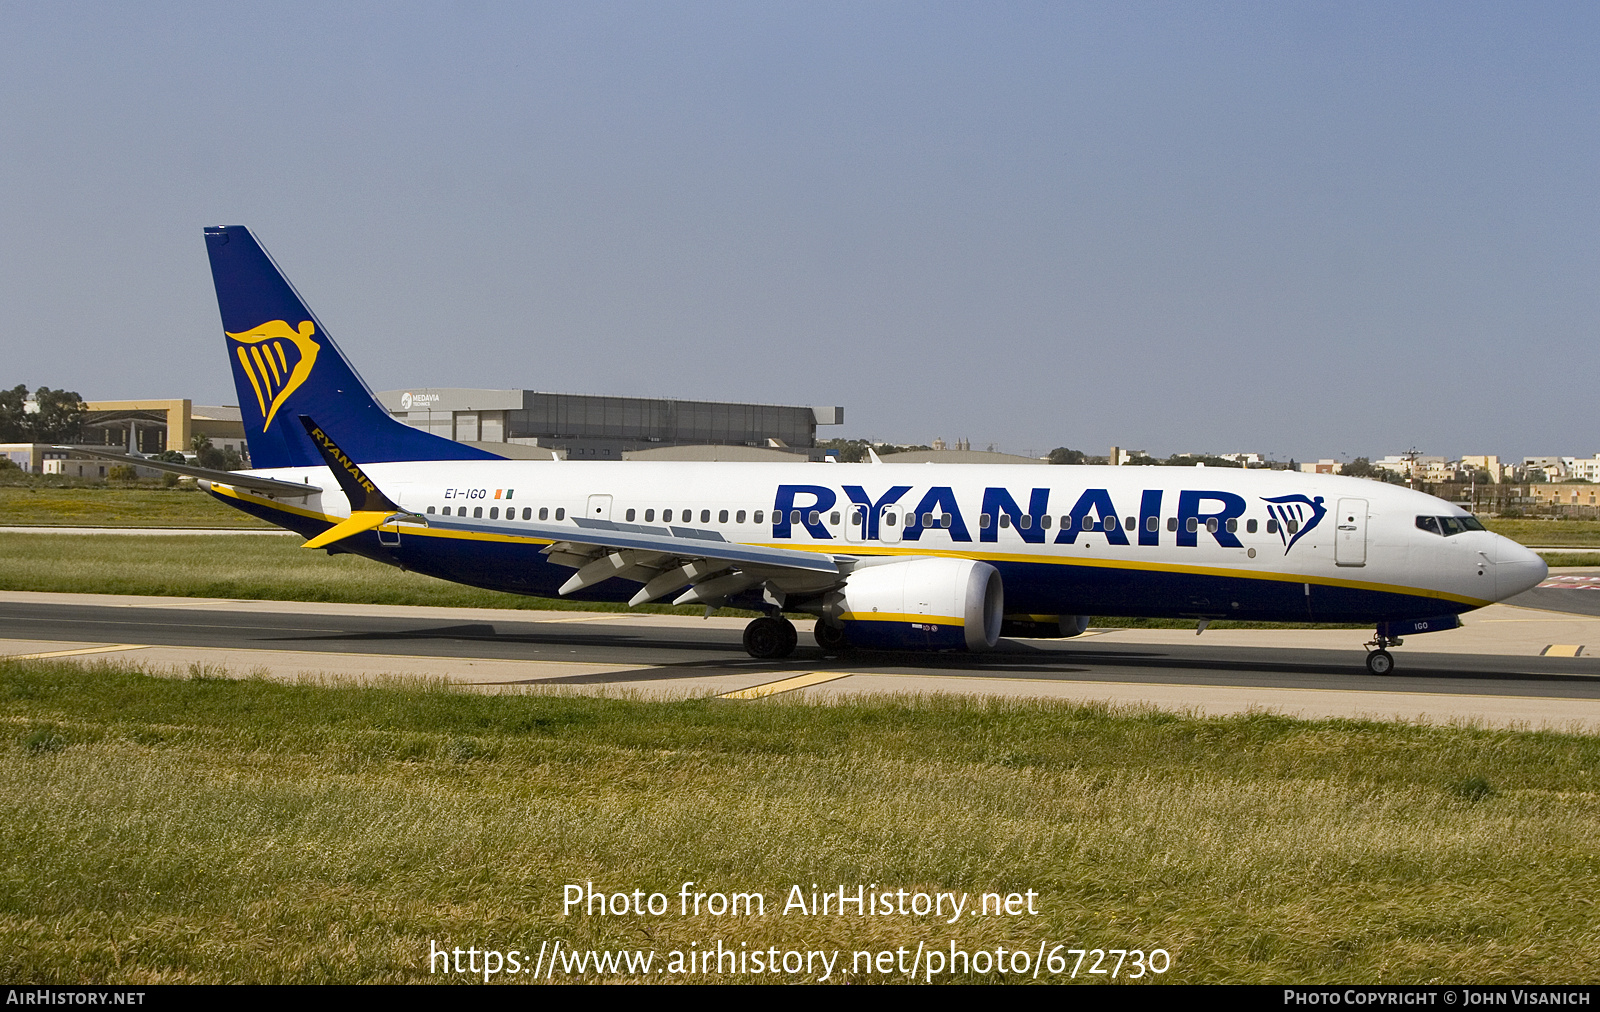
[{"x": 901, "y": 556}]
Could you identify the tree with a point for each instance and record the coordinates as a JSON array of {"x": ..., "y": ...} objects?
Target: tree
[
  {"x": 1362, "y": 467},
  {"x": 1062, "y": 455},
  {"x": 13, "y": 421},
  {"x": 57, "y": 416},
  {"x": 207, "y": 455},
  {"x": 60, "y": 416}
]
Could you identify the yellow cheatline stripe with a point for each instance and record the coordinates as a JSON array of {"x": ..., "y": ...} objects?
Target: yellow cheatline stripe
[
  {"x": 889, "y": 616},
  {"x": 787, "y": 684},
  {"x": 82, "y": 650},
  {"x": 1561, "y": 650},
  {"x": 409, "y": 529},
  {"x": 855, "y": 549},
  {"x": 1158, "y": 567}
]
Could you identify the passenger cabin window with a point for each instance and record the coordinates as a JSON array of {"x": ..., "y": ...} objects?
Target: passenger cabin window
[
  {"x": 561, "y": 513},
  {"x": 1193, "y": 525},
  {"x": 1293, "y": 527},
  {"x": 705, "y": 516},
  {"x": 430, "y": 509},
  {"x": 889, "y": 520},
  {"x": 722, "y": 517},
  {"x": 666, "y": 516},
  {"x": 738, "y": 518},
  {"x": 794, "y": 516},
  {"x": 649, "y": 516},
  {"x": 1005, "y": 520},
  {"x": 629, "y": 516},
  {"x": 1233, "y": 526},
  {"x": 527, "y": 513},
  {"x": 983, "y": 521},
  {"x": 1044, "y": 522},
  {"x": 1130, "y": 524},
  {"x": 833, "y": 518},
  {"x": 944, "y": 520},
  {"x": 1250, "y": 526},
  {"x": 1025, "y": 522},
  {"x": 1108, "y": 524},
  {"x": 494, "y": 513},
  {"x": 1152, "y": 524},
  {"x": 1272, "y": 526},
  {"x": 759, "y": 515},
  {"x": 544, "y": 513},
  {"x": 1172, "y": 523},
  {"x": 477, "y": 511}
]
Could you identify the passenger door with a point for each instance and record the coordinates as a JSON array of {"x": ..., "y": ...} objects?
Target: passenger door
[
  {"x": 1350, "y": 535},
  {"x": 855, "y": 528},
  {"x": 890, "y": 522}
]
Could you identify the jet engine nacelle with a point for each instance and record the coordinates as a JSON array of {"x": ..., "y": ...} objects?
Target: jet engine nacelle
[
  {"x": 922, "y": 604},
  {"x": 1045, "y": 627}
]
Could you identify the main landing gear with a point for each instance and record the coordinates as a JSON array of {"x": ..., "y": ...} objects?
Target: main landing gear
[
  {"x": 1379, "y": 660},
  {"x": 770, "y": 637}
]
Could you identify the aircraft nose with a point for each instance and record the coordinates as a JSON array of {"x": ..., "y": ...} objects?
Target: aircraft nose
[{"x": 1518, "y": 569}]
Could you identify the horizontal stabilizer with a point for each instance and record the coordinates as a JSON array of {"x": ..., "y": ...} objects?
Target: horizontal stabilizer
[
  {"x": 237, "y": 479},
  {"x": 361, "y": 520}
]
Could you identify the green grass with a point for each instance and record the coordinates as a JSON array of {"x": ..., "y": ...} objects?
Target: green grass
[
  {"x": 1554, "y": 533},
  {"x": 201, "y": 829},
  {"x": 41, "y": 504},
  {"x": 244, "y": 567},
  {"x": 1554, "y": 559}
]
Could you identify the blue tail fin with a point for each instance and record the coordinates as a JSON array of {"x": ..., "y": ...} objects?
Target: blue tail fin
[{"x": 285, "y": 365}]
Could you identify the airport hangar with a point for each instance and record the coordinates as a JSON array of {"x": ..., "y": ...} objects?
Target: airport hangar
[{"x": 512, "y": 423}]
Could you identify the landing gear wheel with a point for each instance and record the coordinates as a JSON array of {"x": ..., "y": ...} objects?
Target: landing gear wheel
[
  {"x": 770, "y": 638},
  {"x": 1380, "y": 662},
  {"x": 830, "y": 637}
]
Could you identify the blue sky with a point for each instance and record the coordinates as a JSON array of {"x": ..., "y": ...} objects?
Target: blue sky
[{"x": 1310, "y": 230}]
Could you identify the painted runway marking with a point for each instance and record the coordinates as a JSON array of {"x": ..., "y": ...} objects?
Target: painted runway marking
[
  {"x": 82, "y": 650},
  {"x": 801, "y": 681},
  {"x": 1562, "y": 650}
]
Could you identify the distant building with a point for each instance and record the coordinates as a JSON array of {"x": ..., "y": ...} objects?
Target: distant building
[
  {"x": 527, "y": 423},
  {"x": 960, "y": 457},
  {"x": 1324, "y": 466}
]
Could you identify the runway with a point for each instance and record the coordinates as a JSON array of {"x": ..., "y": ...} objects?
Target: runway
[{"x": 1509, "y": 666}]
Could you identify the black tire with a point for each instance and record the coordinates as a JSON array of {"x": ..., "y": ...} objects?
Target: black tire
[
  {"x": 768, "y": 638},
  {"x": 1380, "y": 662},
  {"x": 791, "y": 637},
  {"x": 830, "y": 637}
]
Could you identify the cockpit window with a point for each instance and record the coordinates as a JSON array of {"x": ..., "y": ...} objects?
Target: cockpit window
[{"x": 1446, "y": 526}]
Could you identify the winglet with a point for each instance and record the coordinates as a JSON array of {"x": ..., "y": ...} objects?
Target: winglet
[
  {"x": 369, "y": 507},
  {"x": 364, "y": 496}
]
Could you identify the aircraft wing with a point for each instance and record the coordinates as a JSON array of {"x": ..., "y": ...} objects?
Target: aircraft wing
[
  {"x": 664, "y": 559},
  {"x": 238, "y": 479}
]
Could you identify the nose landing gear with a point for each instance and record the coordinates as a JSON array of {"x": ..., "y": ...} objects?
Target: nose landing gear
[{"x": 770, "y": 637}]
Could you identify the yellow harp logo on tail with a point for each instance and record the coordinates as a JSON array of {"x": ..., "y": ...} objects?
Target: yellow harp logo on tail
[{"x": 277, "y": 359}]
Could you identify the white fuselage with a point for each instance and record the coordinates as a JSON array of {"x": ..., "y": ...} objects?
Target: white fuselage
[{"x": 1097, "y": 540}]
